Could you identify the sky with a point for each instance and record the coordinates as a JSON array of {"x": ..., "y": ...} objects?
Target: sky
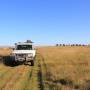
[{"x": 45, "y": 22}]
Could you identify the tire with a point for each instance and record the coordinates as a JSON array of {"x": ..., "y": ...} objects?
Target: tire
[
  {"x": 32, "y": 63},
  {"x": 25, "y": 63}
]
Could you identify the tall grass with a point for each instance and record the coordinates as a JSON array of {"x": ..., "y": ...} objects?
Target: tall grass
[
  {"x": 56, "y": 68},
  {"x": 68, "y": 67}
]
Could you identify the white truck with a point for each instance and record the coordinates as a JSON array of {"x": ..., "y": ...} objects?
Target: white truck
[{"x": 24, "y": 52}]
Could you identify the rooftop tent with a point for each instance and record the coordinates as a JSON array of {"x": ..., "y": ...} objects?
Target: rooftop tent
[{"x": 29, "y": 41}]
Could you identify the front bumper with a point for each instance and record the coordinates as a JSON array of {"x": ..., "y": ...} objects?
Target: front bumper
[
  {"x": 20, "y": 59},
  {"x": 24, "y": 59}
]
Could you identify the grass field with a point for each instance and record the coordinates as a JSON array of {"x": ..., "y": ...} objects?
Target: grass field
[{"x": 56, "y": 68}]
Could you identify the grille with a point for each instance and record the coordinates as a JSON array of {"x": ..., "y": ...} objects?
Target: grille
[{"x": 21, "y": 55}]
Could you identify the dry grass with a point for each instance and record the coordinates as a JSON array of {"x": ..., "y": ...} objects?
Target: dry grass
[
  {"x": 56, "y": 68},
  {"x": 5, "y": 51},
  {"x": 18, "y": 77},
  {"x": 67, "y": 67}
]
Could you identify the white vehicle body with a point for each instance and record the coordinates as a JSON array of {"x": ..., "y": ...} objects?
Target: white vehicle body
[
  {"x": 24, "y": 52},
  {"x": 33, "y": 52}
]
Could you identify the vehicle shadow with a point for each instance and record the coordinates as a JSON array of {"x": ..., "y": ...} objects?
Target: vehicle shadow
[{"x": 8, "y": 61}]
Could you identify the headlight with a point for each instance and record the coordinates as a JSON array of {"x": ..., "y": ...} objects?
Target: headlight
[{"x": 30, "y": 55}]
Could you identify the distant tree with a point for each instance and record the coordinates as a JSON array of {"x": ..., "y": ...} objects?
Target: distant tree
[
  {"x": 57, "y": 44},
  {"x": 88, "y": 44},
  {"x": 60, "y": 44},
  {"x": 76, "y": 44},
  {"x": 83, "y": 44},
  {"x": 72, "y": 44},
  {"x": 63, "y": 44}
]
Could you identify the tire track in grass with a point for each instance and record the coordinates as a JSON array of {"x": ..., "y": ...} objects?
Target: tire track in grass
[
  {"x": 29, "y": 79},
  {"x": 5, "y": 76},
  {"x": 40, "y": 72},
  {"x": 46, "y": 81},
  {"x": 53, "y": 84},
  {"x": 40, "y": 76},
  {"x": 32, "y": 82},
  {"x": 35, "y": 80},
  {"x": 23, "y": 83},
  {"x": 3, "y": 73},
  {"x": 45, "y": 72},
  {"x": 15, "y": 77},
  {"x": 4, "y": 70}
]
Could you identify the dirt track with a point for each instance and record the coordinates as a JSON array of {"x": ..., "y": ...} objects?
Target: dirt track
[{"x": 22, "y": 77}]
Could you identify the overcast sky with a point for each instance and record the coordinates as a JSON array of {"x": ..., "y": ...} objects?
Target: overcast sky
[{"x": 44, "y": 21}]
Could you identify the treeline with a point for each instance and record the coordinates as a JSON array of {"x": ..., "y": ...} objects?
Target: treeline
[{"x": 72, "y": 44}]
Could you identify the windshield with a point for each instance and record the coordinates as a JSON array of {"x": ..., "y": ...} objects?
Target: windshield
[{"x": 24, "y": 47}]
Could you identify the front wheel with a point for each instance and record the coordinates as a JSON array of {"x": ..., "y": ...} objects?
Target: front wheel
[{"x": 32, "y": 63}]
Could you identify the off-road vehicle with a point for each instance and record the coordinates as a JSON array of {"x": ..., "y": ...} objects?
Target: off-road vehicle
[{"x": 24, "y": 52}]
